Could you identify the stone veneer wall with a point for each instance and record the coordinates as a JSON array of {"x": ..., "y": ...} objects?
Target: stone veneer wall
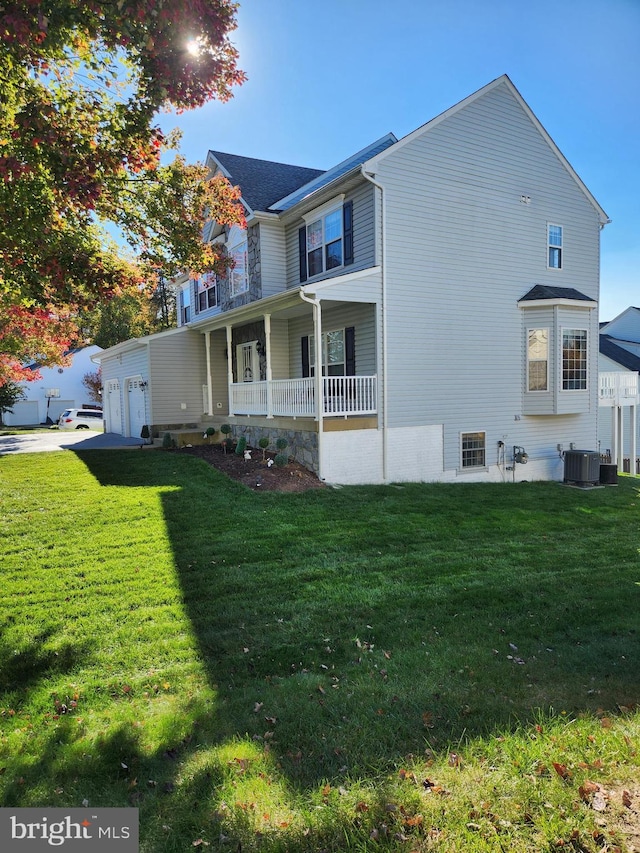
[{"x": 302, "y": 445}]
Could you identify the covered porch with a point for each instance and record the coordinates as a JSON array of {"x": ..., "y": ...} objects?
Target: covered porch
[{"x": 262, "y": 359}]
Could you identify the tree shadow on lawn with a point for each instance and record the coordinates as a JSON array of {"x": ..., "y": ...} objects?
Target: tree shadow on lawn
[
  {"x": 336, "y": 648},
  {"x": 364, "y": 640}
]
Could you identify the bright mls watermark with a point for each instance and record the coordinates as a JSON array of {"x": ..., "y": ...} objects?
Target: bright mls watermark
[{"x": 80, "y": 830}]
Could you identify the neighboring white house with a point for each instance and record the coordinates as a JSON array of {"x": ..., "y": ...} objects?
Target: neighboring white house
[
  {"x": 447, "y": 283},
  {"x": 59, "y": 388},
  {"x": 619, "y": 366}
]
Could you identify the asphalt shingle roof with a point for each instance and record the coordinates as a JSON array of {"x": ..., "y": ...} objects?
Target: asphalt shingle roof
[
  {"x": 545, "y": 291},
  {"x": 619, "y": 354},
  {"x": 262, "y": 181}
]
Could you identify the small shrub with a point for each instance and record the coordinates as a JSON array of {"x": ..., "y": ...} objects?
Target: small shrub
[
  {"x": 281, "y": 443},
  {"x": 263, "y": 444},
  {"x": 167, "y": 441},
  {"x": 210, "y": 431},
  {"x": 281, "y": 459},
  {"x": 241, "y": 446},
  {"x": 227, "y": 444}
]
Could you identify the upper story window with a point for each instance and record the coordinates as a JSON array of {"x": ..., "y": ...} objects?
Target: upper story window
[
  {"x": 574, "y": 359},
  {"x": 326, "y": 240},
  {"x": 207, "y": 290},
  {"x": 185, "y": 304},
  {"x": 538, "y": 360},
  {"x": 554, "y": 247},
  {"x": 239, "y": 273}
]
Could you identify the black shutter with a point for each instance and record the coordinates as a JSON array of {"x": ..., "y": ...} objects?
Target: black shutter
[
  {"x": 350, "y": 351},
  {"x": 347, "y": 223},
  {"x": 305, "y": 355},
  {"x": 302, "y": 247},
  {"x": 193, "y": 287}
]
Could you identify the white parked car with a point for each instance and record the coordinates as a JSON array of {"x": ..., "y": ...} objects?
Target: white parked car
[{"x": 81, "y": 419}]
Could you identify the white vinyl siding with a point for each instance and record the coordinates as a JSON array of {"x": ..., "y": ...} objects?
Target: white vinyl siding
[
  {"x": 363, "y": 237},
  {"x": 462, "y": 249},
  {"x": 361, "y": 317},
  {"x": 272, "y": 258},
  {"x": 177, "y": 374}
]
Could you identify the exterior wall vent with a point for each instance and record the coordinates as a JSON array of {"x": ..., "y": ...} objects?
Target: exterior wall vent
[{"x": 582, "y": 467}]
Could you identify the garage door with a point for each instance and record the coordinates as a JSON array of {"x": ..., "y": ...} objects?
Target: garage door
[
  {"x": 112, "y": 410},
  {"x": 136, "y": 407},
  {"x": 25, "y": 413}
]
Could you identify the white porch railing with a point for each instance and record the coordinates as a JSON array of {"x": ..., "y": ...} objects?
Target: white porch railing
[
  {"x": 618, "y": 388},
  {"x": 296, "y": 398}
]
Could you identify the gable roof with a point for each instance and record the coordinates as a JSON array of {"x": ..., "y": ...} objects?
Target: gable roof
[
  {"x": 619, "y": 354},
  {"x": 545, "y": 291},
  {"x": 262, "y": 181},
  {"x": 499, "y": 81}
]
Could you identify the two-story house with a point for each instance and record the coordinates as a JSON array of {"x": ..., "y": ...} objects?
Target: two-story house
[{"x": 427, "y": 310}]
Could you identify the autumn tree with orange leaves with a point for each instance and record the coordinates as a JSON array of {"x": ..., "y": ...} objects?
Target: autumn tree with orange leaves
[{"x": 81, "y": 83}]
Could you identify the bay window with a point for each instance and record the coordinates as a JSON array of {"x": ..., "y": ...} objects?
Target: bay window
[{"x": 574, "y": 359}]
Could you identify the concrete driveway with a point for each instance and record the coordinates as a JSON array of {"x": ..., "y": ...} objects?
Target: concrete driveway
[{"x": 77, "y": 439}]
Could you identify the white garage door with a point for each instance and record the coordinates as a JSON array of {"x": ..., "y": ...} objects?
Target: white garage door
[
  {"x": 25, "y": 413},
  {"x": 136, "y": 407},
  {"x": 112, "y": 408}
]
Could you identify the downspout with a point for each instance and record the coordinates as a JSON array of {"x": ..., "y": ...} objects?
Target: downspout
[
  {"x": 207, "y": 344},
  {"x": 317, "y": 330},
  {"x": 383, "y": 249}
]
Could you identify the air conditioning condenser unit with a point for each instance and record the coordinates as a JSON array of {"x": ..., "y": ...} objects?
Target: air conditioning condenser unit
[{"x": 582, "y": 467}]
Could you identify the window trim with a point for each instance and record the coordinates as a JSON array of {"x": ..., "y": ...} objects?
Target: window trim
[
  {"x": 325, "y": 353},
  {"x": 185, "y": 306},
  {"x": 584, "y": 388},
  {"x": 481, "y": 467},
  {"x": 242, "y": 245},
  {"x": 555, "y": 247},
  {"x": 205, "y": 286},
  {"x": 334, "y": 205},
  {"x": 546, "y": 389}
]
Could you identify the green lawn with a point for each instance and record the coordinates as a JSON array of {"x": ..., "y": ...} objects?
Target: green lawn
[{"x": 413, "y": 668}]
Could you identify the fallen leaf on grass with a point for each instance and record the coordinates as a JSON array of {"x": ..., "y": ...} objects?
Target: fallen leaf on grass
[
  {"x": 627, "y": 799},
  {"x": 562, "y": 770}
]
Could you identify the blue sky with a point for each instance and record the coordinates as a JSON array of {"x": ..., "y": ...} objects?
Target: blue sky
[{"x": 326, "y": 78}]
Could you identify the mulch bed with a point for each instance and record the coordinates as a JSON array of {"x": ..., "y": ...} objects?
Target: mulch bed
[{"x": 255, "y": 472}]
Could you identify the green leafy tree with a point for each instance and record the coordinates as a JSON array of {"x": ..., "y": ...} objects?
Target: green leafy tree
[
  {"x": 10, "y": 393},
  {"x": 80, "y": 85}
]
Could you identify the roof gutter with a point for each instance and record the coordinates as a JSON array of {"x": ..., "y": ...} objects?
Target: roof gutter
[{"x": 369, "y": 176}]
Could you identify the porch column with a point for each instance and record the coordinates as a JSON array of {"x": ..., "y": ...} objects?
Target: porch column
[
  {"x": 633, "y": 429},
  {"x": 230, "y": 368},
  {"x": 207, "y": 345},
  {"x": 269, "y": 374},
  {"x": 317, "y": 330},
  {"x": 620, "y": 459}
]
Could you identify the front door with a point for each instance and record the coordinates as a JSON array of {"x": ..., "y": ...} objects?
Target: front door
[{"x": 247, "y": 362}]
